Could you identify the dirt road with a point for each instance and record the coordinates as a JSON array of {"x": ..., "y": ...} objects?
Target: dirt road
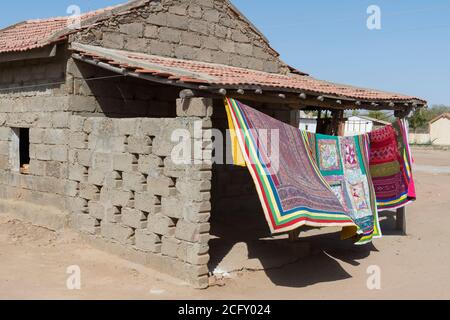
[{"x": 34, "y": 261}]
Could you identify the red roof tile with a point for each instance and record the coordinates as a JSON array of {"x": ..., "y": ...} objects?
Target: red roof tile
[
  {"x": 34, "y": 34},
  {"x": 222, "y": 75},
  {"x": 30, "y": 34}
]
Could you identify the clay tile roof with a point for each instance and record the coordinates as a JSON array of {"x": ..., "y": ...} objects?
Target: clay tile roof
[
  {"x": 29, "y": 34},
  {"x": 196, "y": 72},
  {"x": 38, "y": 33}
]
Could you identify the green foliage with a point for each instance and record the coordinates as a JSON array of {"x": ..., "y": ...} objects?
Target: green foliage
[
  {"x": 420, "y": 118},
  {"x": 379, "y": 115}
]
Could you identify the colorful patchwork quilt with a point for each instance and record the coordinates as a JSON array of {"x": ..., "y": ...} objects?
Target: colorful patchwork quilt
[
  {"x": 390, "y": 166},
  {"x": 312, "y": 180},
  {"x": 344, "y": 164},
  {"x": 291, "y": 189}
]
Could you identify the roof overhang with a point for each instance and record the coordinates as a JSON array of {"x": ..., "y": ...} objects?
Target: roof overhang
[
  {"x": 208, "y": 78},
  {"x": 48, "y": 51}
]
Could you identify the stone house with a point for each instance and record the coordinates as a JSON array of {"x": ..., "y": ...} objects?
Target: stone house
[{"x": 87, "y": 114}]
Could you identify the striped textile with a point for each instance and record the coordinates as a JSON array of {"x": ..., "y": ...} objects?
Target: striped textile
[
  {"x": 292, "y": 193},
  {"x": 391, "y": 166}
]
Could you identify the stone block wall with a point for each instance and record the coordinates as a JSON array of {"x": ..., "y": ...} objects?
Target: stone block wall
[
  {"x": 100, "y": 151},
  {"x": 47, "y": 183},
  {"x": 131, "y": 193},
  {"x": 98, "y": 92},
  {"x": 33, "y": 94},
  {"x": 202, "y": 30}
]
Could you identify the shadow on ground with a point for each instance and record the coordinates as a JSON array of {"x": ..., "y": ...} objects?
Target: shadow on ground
[
  {"x": 245, "y": 244},
  {"x": 388, "y": 224}
]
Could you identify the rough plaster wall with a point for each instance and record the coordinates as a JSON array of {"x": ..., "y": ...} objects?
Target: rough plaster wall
[{"x": 203, "y": 30}]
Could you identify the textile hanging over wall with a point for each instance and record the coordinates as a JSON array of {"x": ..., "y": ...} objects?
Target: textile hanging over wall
[
  {"x": 390, "y": 166},
  {"x": 294, "y": 192},
  {"x": 344, "y": 163}
]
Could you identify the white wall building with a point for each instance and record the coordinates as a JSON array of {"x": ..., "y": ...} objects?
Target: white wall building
[
  {"x": 357, "y": 125},
  {"x": 440, "y": 130},
  {"x": 308, "y": 122}
]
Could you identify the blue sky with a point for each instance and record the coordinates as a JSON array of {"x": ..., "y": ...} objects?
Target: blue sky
[{"x": 330, "y": 40}]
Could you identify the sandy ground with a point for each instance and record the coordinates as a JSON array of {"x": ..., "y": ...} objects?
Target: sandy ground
[{"x": 34, "y": 261}]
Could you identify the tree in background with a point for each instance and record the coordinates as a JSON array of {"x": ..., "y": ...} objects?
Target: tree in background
[
  {"x": 420, "y": 118},
  {"x": 355, "y": 113},
  {"x": 379, "y": 115}
]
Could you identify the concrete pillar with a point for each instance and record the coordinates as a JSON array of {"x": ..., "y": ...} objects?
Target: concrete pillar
[{"x": 193, "y": 227}]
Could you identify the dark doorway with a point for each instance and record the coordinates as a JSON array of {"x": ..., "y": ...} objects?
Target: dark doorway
[{"x": 24, "y": 149}]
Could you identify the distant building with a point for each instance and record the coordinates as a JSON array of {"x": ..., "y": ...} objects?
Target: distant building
[
  {"x": 308, "y": 122},
  {"x": 440, "y": 130},
  {"x": 358, "y": 125}
]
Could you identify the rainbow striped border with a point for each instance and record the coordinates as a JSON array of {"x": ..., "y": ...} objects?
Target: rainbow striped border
[{"x": 279, "y": 221}]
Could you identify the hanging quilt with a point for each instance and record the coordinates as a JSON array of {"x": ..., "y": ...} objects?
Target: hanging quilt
[
  {"x": 292, "y": 193},
  {"x": 390, "y": 166},
  {"x": 291, "y": 187},
  {"x": 344, "y": 164}
]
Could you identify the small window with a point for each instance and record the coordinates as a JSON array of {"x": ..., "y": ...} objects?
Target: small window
[{"x": 20, "y": 156}]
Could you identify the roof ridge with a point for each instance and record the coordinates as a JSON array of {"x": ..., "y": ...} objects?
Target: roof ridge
[
  {"x": 61, "y": 18},
  {"x": 84, "y": 14},
  {"x": 442, "y": 115},
  {"x": 54, "y": 28}
]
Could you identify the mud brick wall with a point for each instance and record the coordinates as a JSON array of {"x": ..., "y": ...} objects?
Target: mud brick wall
[
  {"x": 132, "y": 194},
  {"x": 202, "y": 30}
]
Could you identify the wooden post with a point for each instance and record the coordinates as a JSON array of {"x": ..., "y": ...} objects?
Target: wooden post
[
  {"x": 293, "y": 235},
  {"x": 295, "y": 118},
  {"x": 336, "y": 119},
  {"x": 401, "y": 213},
  {"x": 401, "y": 220}
]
